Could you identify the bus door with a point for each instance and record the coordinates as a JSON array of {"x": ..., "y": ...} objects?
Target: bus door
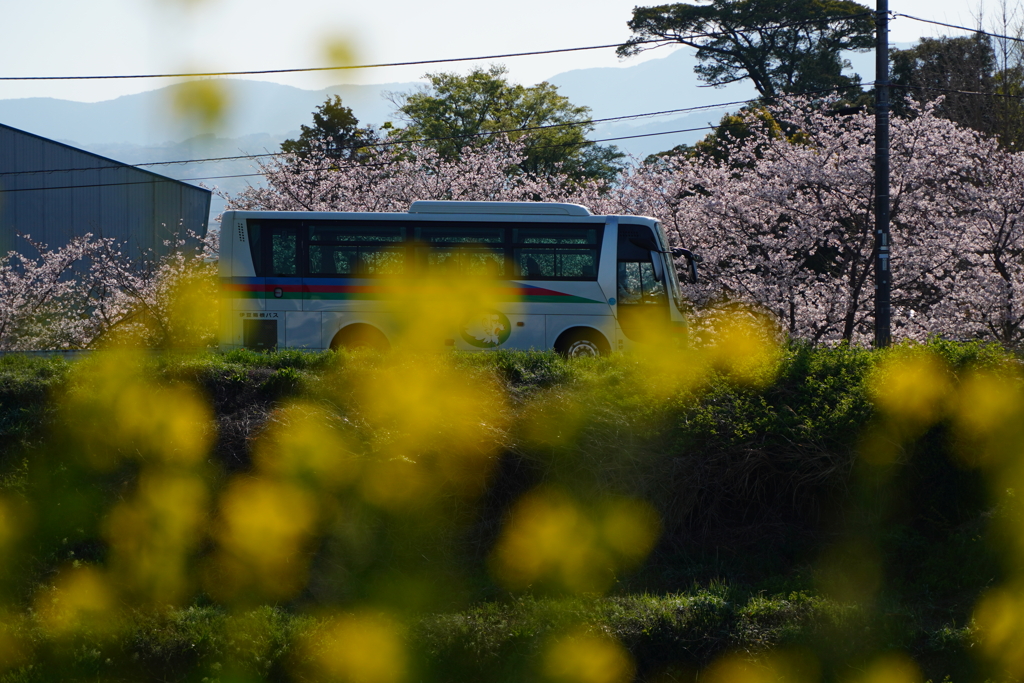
[{"x": 643, "y": 304}]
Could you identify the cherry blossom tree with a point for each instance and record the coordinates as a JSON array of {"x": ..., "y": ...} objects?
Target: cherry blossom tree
[
  {"x": 170, "y": 302},
  {"x": 88, "y": 290},
  {"x": 398, "y": 175},
  {"x": 985, "y": 298},
  {"x": 43, "y": 304}
]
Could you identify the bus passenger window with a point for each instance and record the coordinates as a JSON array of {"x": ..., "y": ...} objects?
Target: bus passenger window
[
  {"x": 356, "y": 250},
  {"x": 386, "y": 261},
  {"x": 284, "y": 252},
  {"x": 463, "y": 250},
  {"x": 469, "y": 260},
  {"x": 556, "y": 252}
]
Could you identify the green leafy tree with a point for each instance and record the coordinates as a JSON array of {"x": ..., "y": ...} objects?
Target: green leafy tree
[
  {"x": 782, "y": 46},
  {"x": 980, "y": 88},
  {"x": 336, "y": 131},
  {"x": 1009, "y": 106},
  {"x": 942, "y": 66},
  {"x": 456, "y": 111},
  {"x": 733, "y": 131}
]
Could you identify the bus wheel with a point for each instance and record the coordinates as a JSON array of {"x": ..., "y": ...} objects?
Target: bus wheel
[
  {"x": 360, "y": 336},
  {"x": 582, "y": 343}
]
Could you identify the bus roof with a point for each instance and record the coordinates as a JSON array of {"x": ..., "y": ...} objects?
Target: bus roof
[{"x": 512, "y": 208}]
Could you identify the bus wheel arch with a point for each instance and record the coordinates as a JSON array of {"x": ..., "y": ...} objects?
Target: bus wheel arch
[
  {"x": 582, "y": 342},
  {"x": 360, "y": 336}
]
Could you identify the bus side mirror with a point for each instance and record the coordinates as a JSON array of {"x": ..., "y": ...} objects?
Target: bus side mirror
[{"x": 691, "y": 261}]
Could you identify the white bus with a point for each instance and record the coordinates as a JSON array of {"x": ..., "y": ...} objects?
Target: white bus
[{"x": 564, "y": 279}]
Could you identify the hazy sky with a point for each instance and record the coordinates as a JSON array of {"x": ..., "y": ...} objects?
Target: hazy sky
[{"x": 101, "y": 37}]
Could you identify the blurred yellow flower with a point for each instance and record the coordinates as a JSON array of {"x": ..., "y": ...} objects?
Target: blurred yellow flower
[
  {"x": 736, "y": 669},
  {"x": 152, "y": 536},
  {"x": 359, "y": 648},
  {"x": 912, "y": 386},
  {"x": 988, "y": 402},
  {"x": 13, "y": 650},
  {"x": 432, "y": 424},
  {"x": 9, "y": 528},
  {"x": 80, "y": 597},
  {"x": 584, "y": 657},
  {"x": 892, "y": 668},
  {"x": 742, "y": 345},
  {"x": 202, "y": 102},
  {"x": 999, "y": 617},
  {"x": 776, "y": 666},
  {"x": 262, "y": 533},
  {"x": 630, "y": 528},
  {"x": 551, "y": 539},
  {"x": 116, "y": 411},
  {"x": 301, "y": 445}
]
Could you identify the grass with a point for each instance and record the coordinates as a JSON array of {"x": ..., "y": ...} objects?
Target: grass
[{"x": 668, "y": 635}]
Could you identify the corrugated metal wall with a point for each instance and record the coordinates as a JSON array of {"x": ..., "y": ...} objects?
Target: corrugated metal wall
[{"x": 75, "y": 192}]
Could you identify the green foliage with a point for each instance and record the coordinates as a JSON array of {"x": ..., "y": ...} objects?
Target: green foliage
[
  {"x": 731, "y": 128},
  {"x": 756, "y": 485},
  {"x": 736, "y": 127},
  {"x": 938, "y": 65},
  {"x": 496, "y": 641},
  {"x": 980, "y": 90},
  {"x": 524, "y": 372},
  {"x": 782, "y": 47},
  {"x": 26, "y": 386},
  {"x": 457, "y": 111},
  {"x": 335, "y": 133}
]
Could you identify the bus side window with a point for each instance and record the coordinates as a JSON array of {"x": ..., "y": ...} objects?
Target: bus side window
[
  {"x": 556, "y": 252},
  {"x": 530, "y": 268},
  {"x": 356, "y": 249},
  {"x": 284, "y": 251},
  {"x": 637, "y": 284},
  {"x": 463, "y": 250}
]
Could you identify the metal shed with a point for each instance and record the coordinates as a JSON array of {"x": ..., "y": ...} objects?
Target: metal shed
[{"x": 54, "y": 191}]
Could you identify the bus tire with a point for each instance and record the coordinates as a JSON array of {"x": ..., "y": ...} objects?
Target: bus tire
[
  {"x": 360, "y": 336},
  {"x": 582, "y": 342}
]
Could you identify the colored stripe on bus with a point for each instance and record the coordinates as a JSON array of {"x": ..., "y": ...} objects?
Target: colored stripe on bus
[{"x": 251, "y": 288}]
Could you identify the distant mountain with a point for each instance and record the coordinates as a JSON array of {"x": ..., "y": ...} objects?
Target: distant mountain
[{"x": 255, "y": 107}]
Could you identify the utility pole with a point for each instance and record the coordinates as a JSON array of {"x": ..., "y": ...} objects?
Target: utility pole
[{"x": 883, "y": 272}]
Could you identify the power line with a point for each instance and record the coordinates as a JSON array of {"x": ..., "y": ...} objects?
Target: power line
[
  {"x": 962, "y": 28},
  {"x": 264, "y": 72},
  {"x": 367, "y": 165},
  {"x": 423, "y": 62}
]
